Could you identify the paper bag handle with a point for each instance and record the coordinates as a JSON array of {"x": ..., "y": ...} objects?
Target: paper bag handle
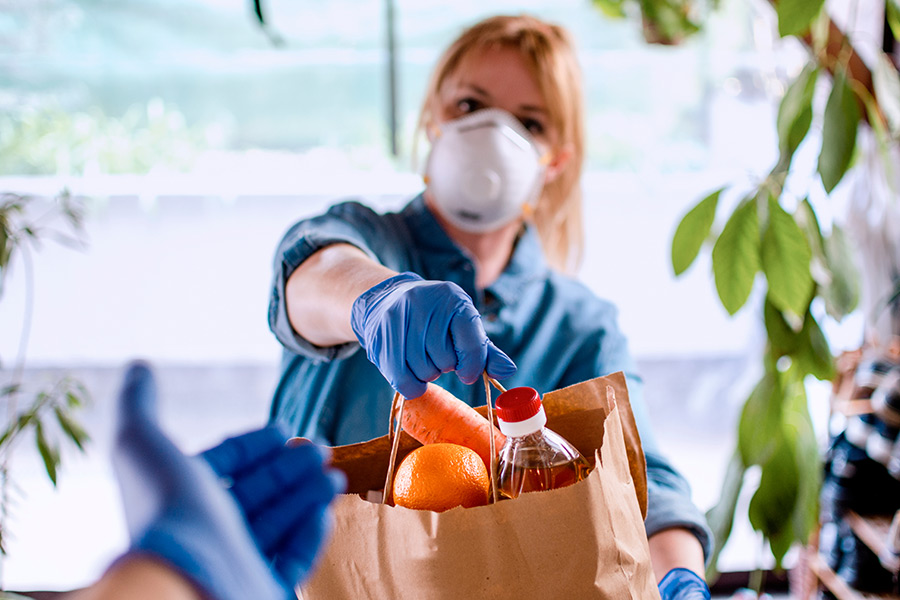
[{"x": 394, "y": 427}]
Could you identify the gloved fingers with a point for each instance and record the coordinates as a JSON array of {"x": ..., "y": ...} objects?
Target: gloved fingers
[
  {"x": 408, "y": 385},
  {"x": 499, "y": 365},
  {"x": 142, "y": 448},
  {"x": 423, "y": 351},
  {"x": 137, "y": 396},
  {"x": 257, "y": 489},
  {"x": 243, "y": 452},
  {"x": 151, "y": 471},
  {"x": 390, "y": 359},
  {"x": 389, "y": 355},
  {"x": 275, "y": 524},
  {"x": 437, "y": 312},
  {"x": 470, "y": 343},
  {"x": 297, "y": 555}
]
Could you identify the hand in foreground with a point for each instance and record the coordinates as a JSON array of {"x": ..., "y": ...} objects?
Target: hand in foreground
[
  {"x": 683, "y": 584},
  {"x": 413, "y": 330},
  {"x": 178, "y": 511},
  {"x": 284, "y": 494}
]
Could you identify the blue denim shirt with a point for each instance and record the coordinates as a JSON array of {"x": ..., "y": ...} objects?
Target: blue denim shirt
[{"x": 554, "y": 328}]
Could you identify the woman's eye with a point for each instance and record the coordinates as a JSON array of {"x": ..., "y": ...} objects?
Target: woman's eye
[
  {"x": 469, "y": 105},
  {"x": 533, "y": 126}
]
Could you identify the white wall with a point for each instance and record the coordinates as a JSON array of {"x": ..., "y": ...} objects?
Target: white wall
[{"x": 185, "y": 276}]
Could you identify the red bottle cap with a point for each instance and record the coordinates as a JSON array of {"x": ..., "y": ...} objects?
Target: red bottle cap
[{"x": 518, "y": 404}]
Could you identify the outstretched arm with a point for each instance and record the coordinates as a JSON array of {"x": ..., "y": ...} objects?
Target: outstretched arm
[
  {"x": 411, "y": 329},
  {"x": 320, "y": 293}
]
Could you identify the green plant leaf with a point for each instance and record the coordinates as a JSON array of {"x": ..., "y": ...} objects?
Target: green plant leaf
[
  {"x": 49, "y": 455},
  {"x": 721, "y": 516},
  {"x": 735, "y": 257},
  {"x": 667, "y": 22},
  {"x": 693, "y": 231},
  {"x": 73, "y": 400},
  {"x": 8, "y": 433},
  {"x": 610, "y": 8},
  {"x": 892, "y": 11},
  {"x": 773, "y": 504},
  {"x": 71, "y": 427},
  {"x": 761, "y": 415},
  {"x": 782, "y": 337},
  {"x": 25, "y": 419},
  {"x": 886, "y": 82},
  {"x": 795, "y": 112},
  {"x": 795, "y": 16},
  {"x": 10, "y": 390},
  {"x": 841, "y": 295},
  {"x": 5, "y": 246},
  {"x": 785, "y": 258},
  {"x": 814, "y": 354},
  {"x": 797, "y": 417},
  {"x": 839, "y": 125},
  {"x": 809, "y": 222}
]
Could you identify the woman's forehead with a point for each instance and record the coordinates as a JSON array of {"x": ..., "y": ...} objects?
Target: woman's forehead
[{"x": 502, "y": 71}]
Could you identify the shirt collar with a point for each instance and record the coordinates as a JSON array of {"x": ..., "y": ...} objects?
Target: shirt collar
[{"x": 526, "y": 264}]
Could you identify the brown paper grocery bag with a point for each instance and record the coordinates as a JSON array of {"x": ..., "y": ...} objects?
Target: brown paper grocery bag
[{"x": 583, "y": 541}]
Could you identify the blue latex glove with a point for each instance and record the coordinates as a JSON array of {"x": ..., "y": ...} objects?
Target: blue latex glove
[
  {"x": 413, "y": 330},
  {"x": 283, "y": 493},
  {"x": 683, "y": 584},
  {"x": 178, "y": 511}
]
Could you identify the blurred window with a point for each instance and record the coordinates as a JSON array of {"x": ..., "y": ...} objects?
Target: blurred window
[{"x": 103, "y": 87}]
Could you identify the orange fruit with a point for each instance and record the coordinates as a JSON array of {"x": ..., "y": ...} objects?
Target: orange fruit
[{"x": 441, "y": 476}]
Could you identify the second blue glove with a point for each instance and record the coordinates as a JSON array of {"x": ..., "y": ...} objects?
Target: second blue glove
[
  {"x": 683, "y": 584},
  {"x": 413, "y": 330}
]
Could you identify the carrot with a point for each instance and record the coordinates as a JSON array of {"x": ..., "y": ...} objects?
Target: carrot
[{"x": 439, "y": 416}]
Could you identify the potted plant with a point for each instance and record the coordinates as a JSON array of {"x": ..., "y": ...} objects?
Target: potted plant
[{"x": 773, "y": 237}]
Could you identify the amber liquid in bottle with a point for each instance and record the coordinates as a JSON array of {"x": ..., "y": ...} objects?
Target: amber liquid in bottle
[{"x": 538, "y": 462}]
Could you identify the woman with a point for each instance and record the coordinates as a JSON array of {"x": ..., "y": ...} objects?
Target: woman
[{"x": 468, "y": 276}]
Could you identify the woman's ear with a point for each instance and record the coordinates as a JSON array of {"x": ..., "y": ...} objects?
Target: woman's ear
[
  {"x": 558, "y": 162},
  {"x": 432, "y": 131}
]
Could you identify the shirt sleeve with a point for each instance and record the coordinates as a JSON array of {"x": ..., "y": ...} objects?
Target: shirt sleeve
[
  {"x": 669, "y": 503},
  {"x": 347, "y": 223}
]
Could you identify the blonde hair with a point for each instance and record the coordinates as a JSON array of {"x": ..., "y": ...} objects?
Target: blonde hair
[{"x": 549, "y": 53}]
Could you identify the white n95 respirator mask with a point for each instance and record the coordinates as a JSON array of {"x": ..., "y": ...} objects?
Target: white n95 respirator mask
[{"x": 483, "y": 169}]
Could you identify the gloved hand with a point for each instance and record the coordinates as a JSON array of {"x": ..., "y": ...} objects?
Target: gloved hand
[
  {"x": 284, "y": 494},
  {"x": 413, "y": 330},
  {"x": 178, "y": 511},
  {"x": 683, "y": 584}
]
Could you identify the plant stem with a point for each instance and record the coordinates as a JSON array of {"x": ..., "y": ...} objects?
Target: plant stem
[{"x": 755, "y": 581}]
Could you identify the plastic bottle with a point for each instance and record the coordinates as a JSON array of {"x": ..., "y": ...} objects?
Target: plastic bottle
[{"x": 533, "y": 458}]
